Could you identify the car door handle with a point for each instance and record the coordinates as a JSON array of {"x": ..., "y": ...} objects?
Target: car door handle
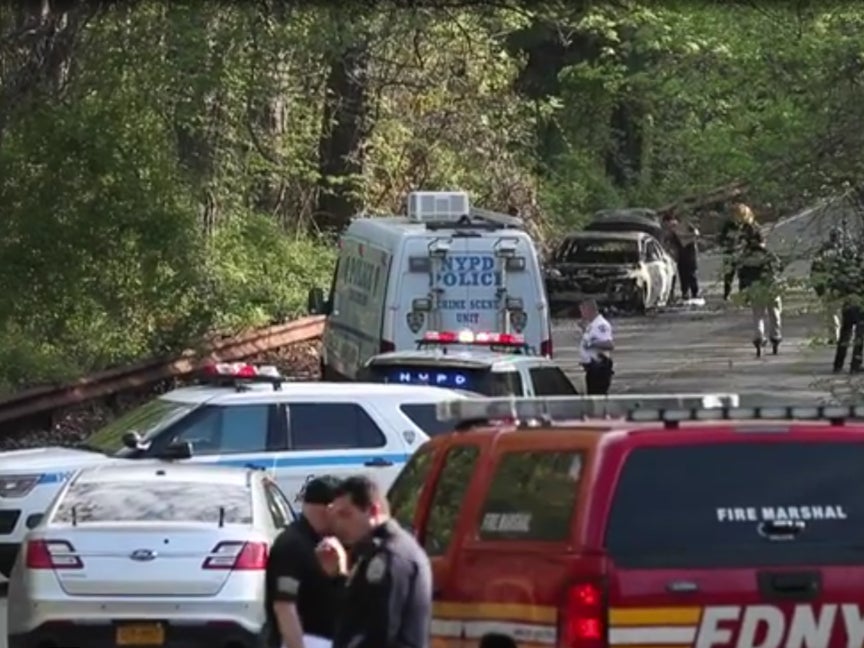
[{"x": 377, "y": 462}]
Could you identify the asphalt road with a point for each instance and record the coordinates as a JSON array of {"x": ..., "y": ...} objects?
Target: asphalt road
[{"x": 710, "y": 350}]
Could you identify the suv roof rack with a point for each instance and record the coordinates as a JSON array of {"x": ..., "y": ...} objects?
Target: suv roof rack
[
  {"x": 670, "y": 409},
  {"x": 563, "y": 408}
]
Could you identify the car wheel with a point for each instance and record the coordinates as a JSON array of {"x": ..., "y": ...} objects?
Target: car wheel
[{"x": 7, "y": 563}]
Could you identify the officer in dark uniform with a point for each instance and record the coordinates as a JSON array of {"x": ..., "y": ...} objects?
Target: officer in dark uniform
[
  {"x": 301, "y": 598},
  {"x": 388, "y": 598}
]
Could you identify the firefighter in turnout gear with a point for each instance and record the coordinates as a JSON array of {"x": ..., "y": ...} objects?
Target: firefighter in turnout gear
[
  {"x": 735, "y": 235},
  {"x": 828, "y": 260},
  {"x": 845, "y": 283},
  {"x": 759, "y": 280}
]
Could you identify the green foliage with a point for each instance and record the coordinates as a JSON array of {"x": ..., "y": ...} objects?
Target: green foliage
[
  {"x": 722, "y": 92},
  {"x": 162, "y": 164}
]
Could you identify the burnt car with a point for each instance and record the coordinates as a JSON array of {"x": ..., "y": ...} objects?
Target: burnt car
[{"x": 629, "y": 270}]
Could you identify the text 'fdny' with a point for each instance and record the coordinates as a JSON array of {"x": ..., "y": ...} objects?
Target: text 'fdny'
[{"x": 767, "y": 626}]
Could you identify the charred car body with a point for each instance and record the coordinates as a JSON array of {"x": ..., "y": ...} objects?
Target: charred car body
[{"x": 618, "y": 260}]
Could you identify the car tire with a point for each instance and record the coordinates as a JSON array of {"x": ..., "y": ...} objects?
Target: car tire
[{"x": 6, "y": 565}]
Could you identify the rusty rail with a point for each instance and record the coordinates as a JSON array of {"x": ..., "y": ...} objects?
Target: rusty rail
[{"x": 39, "y": 400}]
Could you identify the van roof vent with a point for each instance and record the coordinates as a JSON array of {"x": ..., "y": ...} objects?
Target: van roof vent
[{"x": 438, "y": 206}]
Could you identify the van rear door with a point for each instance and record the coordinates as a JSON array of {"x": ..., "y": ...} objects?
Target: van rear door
[
  {"x": 732, "y": 539},
  {"x": 476, "y": 286}
]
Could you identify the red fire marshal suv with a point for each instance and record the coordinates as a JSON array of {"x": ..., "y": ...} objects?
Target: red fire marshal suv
[{"x": 661, "y": 525}]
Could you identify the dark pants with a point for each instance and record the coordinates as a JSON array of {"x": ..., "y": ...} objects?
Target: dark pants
[
  {"x": 598, "y": 377},
  {"x": 728, "y": 278},
  {"x": 687, "y": 280},
  {"x": 850, "y": 322}
]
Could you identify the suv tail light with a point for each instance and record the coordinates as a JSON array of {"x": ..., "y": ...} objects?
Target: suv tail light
[
  {"x": 51, "y": 554},
  {"x": 582, "y": 618},
  {"x": 232, "y": 555},
  {"x": 546, "y": 347}
]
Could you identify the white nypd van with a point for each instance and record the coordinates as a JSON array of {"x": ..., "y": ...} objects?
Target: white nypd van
[{"x": 444, "y": 266}]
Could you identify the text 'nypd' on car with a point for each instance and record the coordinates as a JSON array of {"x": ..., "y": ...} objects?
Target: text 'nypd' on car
[
  {"x": 507, "y": 366},
  {"x": 244, "y": 416}
]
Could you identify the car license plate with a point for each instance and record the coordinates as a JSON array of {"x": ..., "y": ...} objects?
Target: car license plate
[{"x": 141, "y": 634}]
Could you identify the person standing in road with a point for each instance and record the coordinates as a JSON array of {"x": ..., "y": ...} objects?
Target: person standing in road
[
  {"x": 595, "y": 349},
  {"x": 759, "y": 279},
  {"x": 672, "y": 244},
  {"x": 846, "y": 283},
  {"x": 300, "y": 596},
  {"x": 828, "y": 262},
  {"x": 688, "y": 260},
  {"x": 735, "y": 234},
  {"x": 388, "y": 598}
]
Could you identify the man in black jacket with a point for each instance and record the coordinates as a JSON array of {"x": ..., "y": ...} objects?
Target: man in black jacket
[{"x": 301, "y": 599}]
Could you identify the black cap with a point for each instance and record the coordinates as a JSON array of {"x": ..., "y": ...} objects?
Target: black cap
[{"x": 320, "y": 490}]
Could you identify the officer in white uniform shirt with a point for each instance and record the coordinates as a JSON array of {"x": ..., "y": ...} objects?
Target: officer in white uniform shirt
[{"x": 595, "y": 349}]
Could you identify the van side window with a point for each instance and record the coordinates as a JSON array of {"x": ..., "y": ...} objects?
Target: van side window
[
  {"x": 532, "y": 496},
  {"x": 405, "y": 491},
  {"x": 551, "y": 381},
  {"x": 459, "y": 463}
]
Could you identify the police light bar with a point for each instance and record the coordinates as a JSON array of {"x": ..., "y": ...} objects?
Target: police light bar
[
  {"x": 561, "y": 408},
  {"x": 240, "y": 371},
  {"x": 470, "y": 337}
]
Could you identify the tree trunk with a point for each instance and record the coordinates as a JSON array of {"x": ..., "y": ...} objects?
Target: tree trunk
[
  {"x": 343, "y": 137},
  {"x": 624, "y": 157}
]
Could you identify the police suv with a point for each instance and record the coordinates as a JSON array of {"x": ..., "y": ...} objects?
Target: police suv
[
  {"x": 444, "y": 266},
  {"x": 457, "y": 360},
  {"x": 243, "y": 416}
]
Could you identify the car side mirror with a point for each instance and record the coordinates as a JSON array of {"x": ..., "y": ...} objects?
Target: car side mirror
[
  {"x": 177, "y": 450},
  {"x": 132, "y": 440},
  {"x": 315, "y": 303}
]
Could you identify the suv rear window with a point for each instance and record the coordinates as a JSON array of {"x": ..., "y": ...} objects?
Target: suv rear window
[
  {"x": 137, "y": 501},
  {"x": 481, "y": 380},
  {"x": 532, "y": 496},
  {"x": 719, "y": 505}
]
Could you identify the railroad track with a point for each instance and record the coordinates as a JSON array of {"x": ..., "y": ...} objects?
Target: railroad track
[{"x": 41, "y": 400}]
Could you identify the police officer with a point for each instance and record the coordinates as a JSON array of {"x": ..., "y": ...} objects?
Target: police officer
[
  {"x": 595, "y": 349},
  {"x": 388, "y": 598},
  {"x": 301, "y": 597}
]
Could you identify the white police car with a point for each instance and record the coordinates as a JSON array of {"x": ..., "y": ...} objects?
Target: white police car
[
  {"x": 506, "y": 366},
  {"x": 244, "y": 416}
]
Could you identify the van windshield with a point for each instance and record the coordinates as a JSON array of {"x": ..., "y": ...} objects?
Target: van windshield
[
  {"x": 742, "y": 504},
  {"x": 603, "y": 251},
  {"x": 481, "y": 380}
]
